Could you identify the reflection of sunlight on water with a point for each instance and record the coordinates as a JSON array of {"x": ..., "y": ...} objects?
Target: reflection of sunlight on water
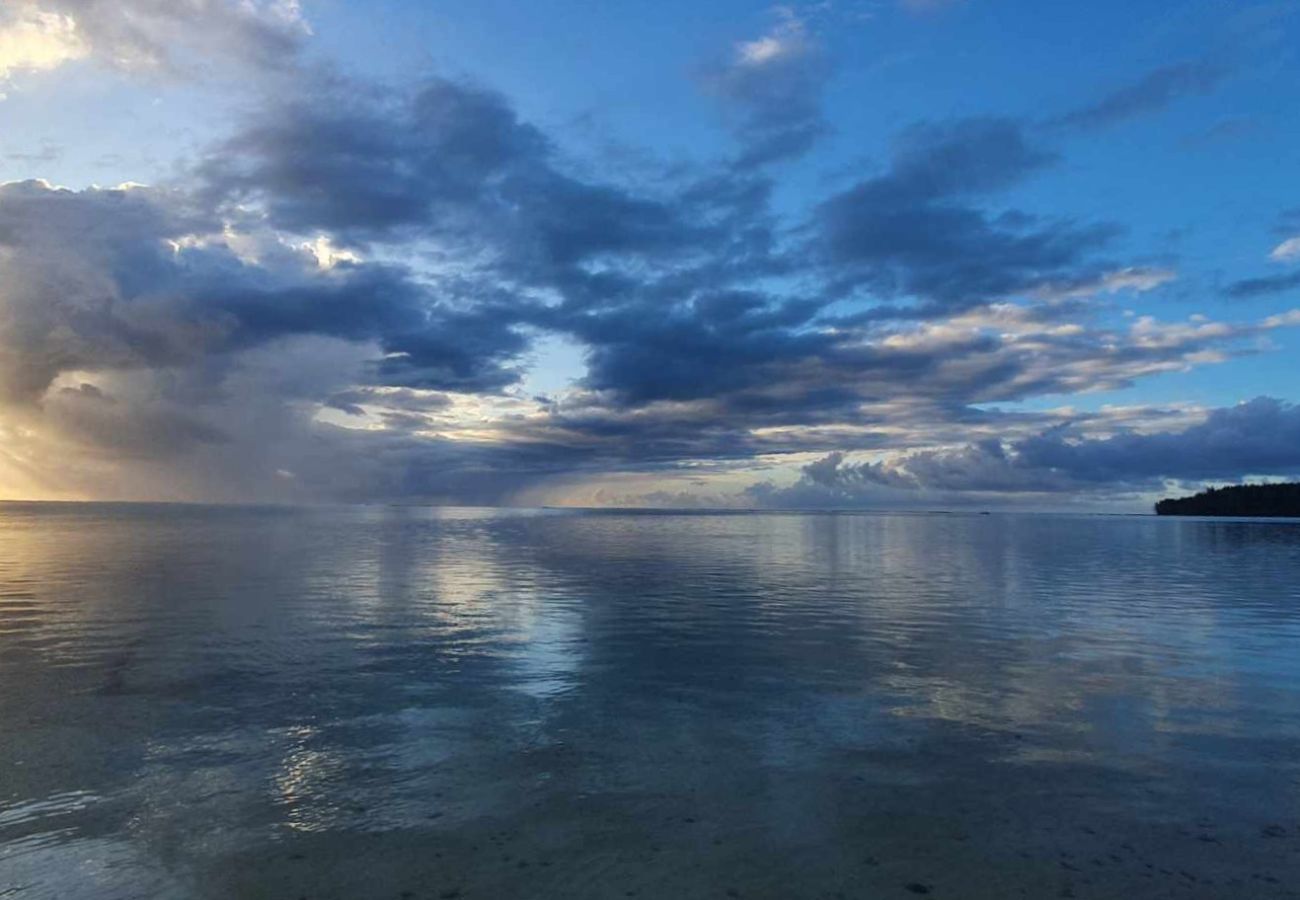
[
  {"x": 303, "y": 782},
  {"x": 473, "y": 598},
  {"x": 54, "y": 805},
  {"x": 547, "y": 652},
  {"x": 303, "y": 788}
]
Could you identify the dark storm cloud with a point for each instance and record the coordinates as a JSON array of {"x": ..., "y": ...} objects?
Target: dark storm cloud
[
  {"x": 65, "y": 254},
  {"x": 1260, "y": 437},
  {"x": 265, "y": 448},
  {"x": 914, "y": 231},
  {"x": 115, "y": 279},
  {"x": 427, "y": 343},
  {"x": 1151, "y": 93},
  {"x": 139, "y": 432},
  {"x": 449, "y": 162}
]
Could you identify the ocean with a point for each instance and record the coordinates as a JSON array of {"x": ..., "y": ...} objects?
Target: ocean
[{"x": 402, "y": 702}]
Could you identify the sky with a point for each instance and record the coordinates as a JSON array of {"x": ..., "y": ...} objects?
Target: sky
[{"x": 916, "y": 254}]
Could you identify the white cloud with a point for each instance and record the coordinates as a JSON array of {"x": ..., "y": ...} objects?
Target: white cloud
[
  {"x": 327, "y": 254},
  {"x": 787, "y": 40},
  {"x": 1136, "y": 279},
  {"x": 148, "y": 35},
  {"x": 32, "y": 40},
  {"x": 1131, "y": 278},
  {"x": 1287, "y": 251}
]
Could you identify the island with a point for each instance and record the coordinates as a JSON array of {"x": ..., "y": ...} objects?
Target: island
[{"x": 1238, "y": 500}]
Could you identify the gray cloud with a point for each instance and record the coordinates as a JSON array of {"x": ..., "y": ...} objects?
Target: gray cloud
[
  {"x": 447, "y": 163},
  {"x": 1151, "y": 93},
  {"x": 139, "y": 278},
  {"x": 1267, "y": 284},
  {"x": 166, "y": 36},
  {"x": 914, "y": 232},
  {"x": 246, "y": 331},
  {"x": 1260, "y": 437},
  {"x": 771, "y": 90},
  {"x": 904, "y": 388}
]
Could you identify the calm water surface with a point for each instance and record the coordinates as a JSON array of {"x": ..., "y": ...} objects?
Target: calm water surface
[{"x": 395, "y": 703}]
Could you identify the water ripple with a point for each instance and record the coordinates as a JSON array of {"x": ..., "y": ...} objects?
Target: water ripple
[{"x": 222, "y": 702}]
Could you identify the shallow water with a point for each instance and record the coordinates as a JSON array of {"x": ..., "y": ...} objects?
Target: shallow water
[{"x": 200, "y": 702}]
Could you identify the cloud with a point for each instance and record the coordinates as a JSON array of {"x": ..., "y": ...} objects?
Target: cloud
[
  {"x": 685, "y": 391},
  {"x": 447, "y": 164},
  {"x": 137, "y": 309},
  {"x": 1287, "y": 251},
  {"x": 151, "y": 352},
  {"x": 136, "y": 277},
  {"x": 364, "y": 162},
  {"x": 1259, "y": 437},
  {"x": 1268, "y": 284},
  {"x": 914, "y": 231},
  {"x": 690, "y": 354},
  {"x": 1138, "y": 279},
  {"x": 34, "y": 40},
  {"x": 934, "y": 160},
  {"x": 1230, "y": 129},
  {"x": 150, "y": 36},
  {"x": 173, "y": 434},
  {"x": 771, "y": 89},
  {"x": 1153, "y": 92},
  {"x": 346, "y": 290}
]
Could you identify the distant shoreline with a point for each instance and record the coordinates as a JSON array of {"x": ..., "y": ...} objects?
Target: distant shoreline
[
  {"x": 175, "y": 508},
  {"x": 1263, "y": 501}
]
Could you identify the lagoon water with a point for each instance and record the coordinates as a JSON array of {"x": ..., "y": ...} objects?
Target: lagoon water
[{"x": 396, "y": 702}]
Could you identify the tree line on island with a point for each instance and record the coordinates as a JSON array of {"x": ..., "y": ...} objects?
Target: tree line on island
[{"x": 1237, "y": 500}]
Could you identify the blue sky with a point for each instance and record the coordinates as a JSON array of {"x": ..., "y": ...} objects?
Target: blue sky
[{"x": 916, "y": 253}]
